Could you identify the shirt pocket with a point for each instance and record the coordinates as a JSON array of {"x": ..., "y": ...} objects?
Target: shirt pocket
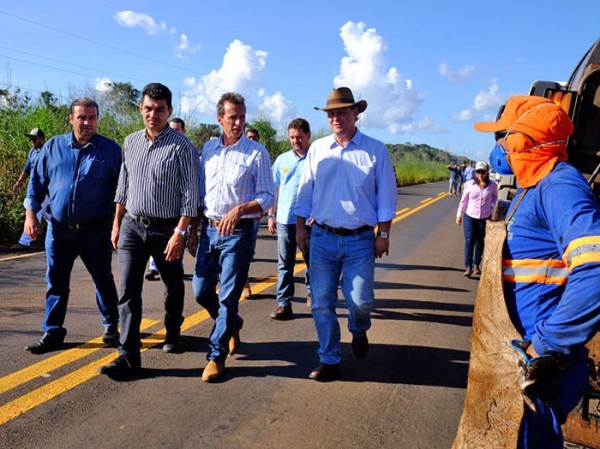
[
  {"x": 94, "y": 170},
  {"x": 237, "y": 174}
]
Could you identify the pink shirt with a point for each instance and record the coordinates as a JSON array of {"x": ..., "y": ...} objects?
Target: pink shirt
[{"x": 478, "y": 202}]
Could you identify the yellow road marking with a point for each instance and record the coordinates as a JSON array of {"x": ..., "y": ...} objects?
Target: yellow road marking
[
  {"x": 418, "y": 208},
  {"x": 21, "y": 256},
  {"x": 71, "y": 380},
  {"x": 50, "y": 364}
]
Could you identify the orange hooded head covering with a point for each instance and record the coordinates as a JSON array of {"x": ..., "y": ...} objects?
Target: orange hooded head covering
[{"x": 537, "y": 131}]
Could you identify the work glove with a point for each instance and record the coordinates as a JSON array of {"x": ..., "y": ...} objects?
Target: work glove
[{"x": 539, "y": 377}]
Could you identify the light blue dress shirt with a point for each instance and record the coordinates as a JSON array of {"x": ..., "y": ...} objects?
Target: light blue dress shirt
[
  {"x": 347, "y": 187},
  {"x": 287, "y": 171}
]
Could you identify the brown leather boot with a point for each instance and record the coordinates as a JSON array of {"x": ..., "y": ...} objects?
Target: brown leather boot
[{"x": 213, "y": 371}]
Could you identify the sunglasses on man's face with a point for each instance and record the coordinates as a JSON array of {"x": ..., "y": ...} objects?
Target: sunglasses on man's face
[{"x": 480, "y": 172}]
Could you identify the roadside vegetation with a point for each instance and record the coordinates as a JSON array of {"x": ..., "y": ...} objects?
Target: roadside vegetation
[{"x": 119, "y": 116}]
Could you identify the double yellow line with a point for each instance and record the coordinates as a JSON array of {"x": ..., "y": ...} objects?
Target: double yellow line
[{"x": 81, "y": 375}]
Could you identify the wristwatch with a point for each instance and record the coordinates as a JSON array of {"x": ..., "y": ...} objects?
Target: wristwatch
[
  {"x": 383, "y": 234},
  {"x": 270, "y": 215},
  {"x": 182, "y": 232}
]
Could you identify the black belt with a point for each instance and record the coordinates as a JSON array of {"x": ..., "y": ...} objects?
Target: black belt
[
  {"x": 344, "y": 231},
  {"x": 92, "y": 223},
  {"x": 240, "y": 224},
  {"x": 150, "y": 221}
]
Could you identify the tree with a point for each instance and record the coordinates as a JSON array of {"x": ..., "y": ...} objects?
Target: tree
[
  {"x": 268, "y": 135},
  {"x": 202, "y": 134},
  {"x": 122, "y": 99}
]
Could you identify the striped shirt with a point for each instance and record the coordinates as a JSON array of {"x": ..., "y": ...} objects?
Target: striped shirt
[
  {"x": 234, "y": 175},
  {"x": 159, "y": 179}
]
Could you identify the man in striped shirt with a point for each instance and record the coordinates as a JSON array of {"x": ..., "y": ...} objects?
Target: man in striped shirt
[
  {"x": 236, "y": 186},
  {"x": 157, "y": 196}
]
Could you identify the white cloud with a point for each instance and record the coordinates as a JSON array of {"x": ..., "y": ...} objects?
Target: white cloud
[
  {"x": 457, "y": 75},
  {"x": 242, "y": 71},
  {"x": 392, "y": 99},
  {"x": 184, "y": 46},
  {"x": 427, "y": 125},
  {"x": 277, "y": 108},
  {"x": 101, "y": 84},
  {"x": 486, "y": 101},
  {"x": 132, "y": 19}
]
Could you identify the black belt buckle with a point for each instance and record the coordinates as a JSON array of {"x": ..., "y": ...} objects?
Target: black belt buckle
[
  {"x": 344, "y": 231},
  {"x": 151, "y": 221},
  {"x": 90, "y": 224}
]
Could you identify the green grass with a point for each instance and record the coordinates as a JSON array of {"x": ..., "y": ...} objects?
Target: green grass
[{"x": 411, "y": 170}]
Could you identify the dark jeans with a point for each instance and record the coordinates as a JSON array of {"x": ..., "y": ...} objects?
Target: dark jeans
[
  {"x": 474, "y": 236},
  {"x": 137, "y": 242},
  {"x": 63, "y": 245}
]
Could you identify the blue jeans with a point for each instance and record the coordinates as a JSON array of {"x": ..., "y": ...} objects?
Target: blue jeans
[
  {"x": 224, "y": 259},
  {"x": 63, "y": 245},
  {"x": 137, "y": 242},
  {"x": 286, "y": 256},
  {"x": 352, "y": 257},
  {"x": 474, "y": 237}
]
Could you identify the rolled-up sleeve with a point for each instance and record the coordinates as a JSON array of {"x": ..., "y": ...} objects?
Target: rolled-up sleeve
[{"x": 386, "y": 186}]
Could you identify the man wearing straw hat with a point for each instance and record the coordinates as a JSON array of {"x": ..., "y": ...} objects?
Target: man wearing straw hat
[{"x": 348, "y": 187}]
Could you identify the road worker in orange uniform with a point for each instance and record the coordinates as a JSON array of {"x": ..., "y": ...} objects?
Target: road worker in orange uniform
[{"x": 550, "y": 264}]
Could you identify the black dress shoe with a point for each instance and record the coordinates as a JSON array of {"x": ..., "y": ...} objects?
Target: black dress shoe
[
  {"x": 110, "y": 335},
  {"x": 324, "y": 372},
  {"x": 151, "y": 275},
  {"x": 282, "y": 313},
  {"x": 173, "y": 347},
  {"x": 360, "y": 347},
  {"x": 48, "y": 342},
  {"x": 122, "y": 366}
]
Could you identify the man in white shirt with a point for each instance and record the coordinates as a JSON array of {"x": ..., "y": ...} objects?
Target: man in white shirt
[
  {"x": 236, "y": 187},
  {"x": 348, "y": 187}
]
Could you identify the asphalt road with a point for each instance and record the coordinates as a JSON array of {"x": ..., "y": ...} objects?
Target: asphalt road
[{"x": 407, "y": 393}]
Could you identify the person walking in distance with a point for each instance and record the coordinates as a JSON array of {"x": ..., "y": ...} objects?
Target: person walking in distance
[
  {"x": 37, "y": 138},
  {"x": 287, "y": 171},
  {"x": 348, "y": 188},
  {"x": 475, "y": 208},
  {"x": 78, "y": 171}
]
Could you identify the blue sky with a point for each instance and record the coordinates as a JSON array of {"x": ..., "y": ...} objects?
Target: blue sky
[{"x": 428, "y": 69}]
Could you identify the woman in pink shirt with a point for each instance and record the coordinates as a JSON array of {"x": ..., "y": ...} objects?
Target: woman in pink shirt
[{"x": 476, "y": 206}]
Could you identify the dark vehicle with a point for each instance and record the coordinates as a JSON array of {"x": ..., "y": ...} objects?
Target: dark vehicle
[{"x": 580, "y": 97}]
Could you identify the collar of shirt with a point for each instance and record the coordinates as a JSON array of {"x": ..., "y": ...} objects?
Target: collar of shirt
[
  {"x": 356, "y": 138},
  {"x": 74, "y": 144},
  {"x": 161, "y": 135}
]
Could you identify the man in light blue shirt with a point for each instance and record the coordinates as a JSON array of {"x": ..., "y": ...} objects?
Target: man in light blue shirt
[
  {"x": 348, "y": 188},
  {"x": 287, "y": 170}
]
